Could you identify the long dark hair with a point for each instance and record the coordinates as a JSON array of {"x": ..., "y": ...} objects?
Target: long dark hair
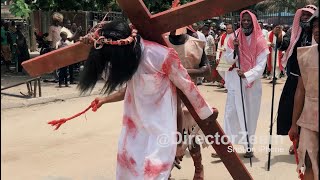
[{"x": 119, "y": 62}]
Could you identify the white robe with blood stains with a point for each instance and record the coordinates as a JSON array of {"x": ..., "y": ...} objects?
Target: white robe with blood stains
[
  {"x": 234, "y": 125},
  {"x": 147, "y": 144}
]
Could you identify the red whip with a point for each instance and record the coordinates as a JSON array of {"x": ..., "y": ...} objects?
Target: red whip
[
  {"x": 294, "y": 141},
  {"x": 58, "y": 123}
]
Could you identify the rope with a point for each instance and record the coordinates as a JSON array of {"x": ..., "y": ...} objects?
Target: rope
[{"x": 58, "y": 123}]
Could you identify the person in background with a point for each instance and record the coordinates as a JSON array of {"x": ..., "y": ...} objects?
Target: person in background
[
  {"x": 269, "y": 27},
  {"x": 73, "y": 29},
  {"x": 210, "y": 51},
  {"x": 191, "y": 52},
  {"x": 63, "y": 42},
  {"x": 5, "y": 44},
  {"x": 272, "y": 40},
  {"x": 222, "y": 33},
  {"x": 196, "y": 34},
  {"x": 285, "y": 28},
  {"x": 253, "y": 52},
  {"x": 198, "y": 28},
  {"x": 89, "y": 28},
  {"x": 73, "y": 34},
  {"x": 22, "y": 48},
  {"x": 299, "y": 35},
  {"x": 223, "y": 66},
  {"x": 306, "y": 106},
  {"x": 67, "y": 28},
  {"x": 13, "y": 42},
  {"x": 55, "y": 29},
  {"x": 265, "y": 34}
]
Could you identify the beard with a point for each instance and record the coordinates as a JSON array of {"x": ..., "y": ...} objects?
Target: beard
[
  {"x": 247, "y": 31},
  {"x": 304, "y": 25},
  {"x": 175, "y": 37}
]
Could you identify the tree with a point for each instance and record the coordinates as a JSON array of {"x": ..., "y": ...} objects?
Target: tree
[
  {"x": 22, "y": 8},
  {"x": 156, "y": 6},
  {"x": 281, "y": 5}
]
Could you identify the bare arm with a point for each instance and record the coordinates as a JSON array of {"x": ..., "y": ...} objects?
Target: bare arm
[
  {"x": 49, "y": 37},
  {"x": 298, "y": 102},
  {"x": 283, "y": 42},
  {"x": 297, "y": 109},
  {"x": 204, "y": 69},
  {"x": 115, "y": 97},
  {"x": 180, "y": 78},
  {"x": 76, "y": 35},
  {"x": 219, "y": 49},
  {"x": 201, "y": 72}
]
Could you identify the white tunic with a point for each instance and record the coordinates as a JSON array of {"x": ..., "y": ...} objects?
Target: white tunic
[
  {"x": 150, "y": 112},
  {"x": 223, "y": 66},
  {"x": 273, "y": 55},
  {"x": 201, "y": 36},
  {"x": 234, "y": 120}
]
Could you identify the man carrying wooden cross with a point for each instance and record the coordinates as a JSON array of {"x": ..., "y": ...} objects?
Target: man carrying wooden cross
[{"x": 147, "y": 144}]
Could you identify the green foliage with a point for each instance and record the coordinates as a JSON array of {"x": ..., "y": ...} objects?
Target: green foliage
[
  {"x": 20, "y": 9},
  {"x": 70, "y": 5},
  {"x": 21, "y": 6},
  {"x": 281, "y": 5},
  {"x": 156, "y": 6}
]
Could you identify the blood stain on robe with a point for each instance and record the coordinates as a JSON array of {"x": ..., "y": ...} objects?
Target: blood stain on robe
[
  {"x": 131, "y": 126},
  {"x": 153, "y": 170},
  {"x": 170, "y": 61},
  {"x": 128, "y": 162}
]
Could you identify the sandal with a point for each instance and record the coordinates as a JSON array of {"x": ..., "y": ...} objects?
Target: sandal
[{"x": 248, "y": 155}]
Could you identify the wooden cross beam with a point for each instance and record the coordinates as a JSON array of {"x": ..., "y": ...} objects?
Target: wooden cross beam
[{"x": 152, "y": 27}]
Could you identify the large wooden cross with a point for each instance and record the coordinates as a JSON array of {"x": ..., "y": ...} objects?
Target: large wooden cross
[{"x": 152, "y": 27}]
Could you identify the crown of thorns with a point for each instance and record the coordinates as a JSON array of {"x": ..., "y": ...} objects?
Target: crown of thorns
[{"x": 99, "y": 40}]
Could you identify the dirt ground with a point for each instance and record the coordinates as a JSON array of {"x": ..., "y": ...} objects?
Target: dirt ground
[{"x": 85, "y": 148}]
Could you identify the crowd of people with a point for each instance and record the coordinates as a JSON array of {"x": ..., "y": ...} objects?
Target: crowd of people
[
  {"x": 216, "y": 36},
  {"x": 14, "y": 47},
  {"x": 15, "y": 50},
  {"x": 62, "y": 33},
  {"x": 282, "y": 43}
]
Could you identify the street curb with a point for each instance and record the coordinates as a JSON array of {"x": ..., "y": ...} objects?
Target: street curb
[{"x": 45, "y": 100}]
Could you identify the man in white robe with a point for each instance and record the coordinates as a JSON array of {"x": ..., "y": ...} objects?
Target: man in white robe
[
  {"x": 223, "y": 66},
  {"x": 253, "y": 51},
  {"x": 272, "y": 40}
]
